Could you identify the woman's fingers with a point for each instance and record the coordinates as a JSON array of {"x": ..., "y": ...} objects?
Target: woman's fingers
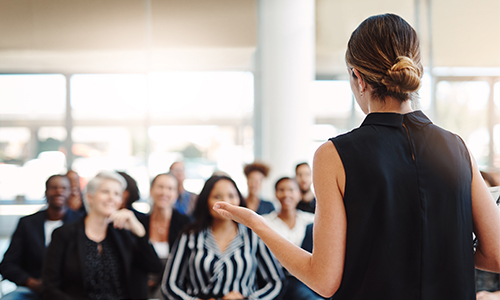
[{"x": 236, "y": 213}]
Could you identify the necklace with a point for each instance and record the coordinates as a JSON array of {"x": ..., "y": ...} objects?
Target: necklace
[
  {"x": 160, "y": 227},
  {"x": 161, "y": 230}
]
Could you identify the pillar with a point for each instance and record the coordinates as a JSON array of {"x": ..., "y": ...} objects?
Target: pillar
[{"x": 284, "y": 72}]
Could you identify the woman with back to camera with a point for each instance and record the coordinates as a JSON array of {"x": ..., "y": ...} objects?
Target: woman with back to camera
[
  {"x": 397, "y": 198},
  {"x": 93, "y": 258},
  {"x": 216, "y": 258}
]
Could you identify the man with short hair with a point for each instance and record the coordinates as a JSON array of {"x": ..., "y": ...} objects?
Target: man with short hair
[
  {"x": 304, "y": 179},
  {"x": 22, "y": 262},
  {"x": 186, "y": 202}
]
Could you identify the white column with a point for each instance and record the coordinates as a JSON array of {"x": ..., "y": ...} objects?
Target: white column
[{"x": 285, "y": 71}]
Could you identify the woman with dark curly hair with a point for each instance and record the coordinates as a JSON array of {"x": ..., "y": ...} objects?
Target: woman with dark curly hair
[{"x": 255, "y": 174}]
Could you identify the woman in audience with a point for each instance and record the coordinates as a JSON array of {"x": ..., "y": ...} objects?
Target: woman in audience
[
  {"x": 131, "y": 194},
  {"x": 291, "y": 223},
  {"x": 215, "y": 258},
  {"x": 397, "y": 198},
  {"x": 255, "y": 173},
  {"x": 163, "y": 224},
  {"x": 93, "y": 258}
]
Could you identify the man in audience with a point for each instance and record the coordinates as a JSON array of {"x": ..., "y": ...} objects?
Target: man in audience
[
  {"x": 22, "y": 262},
  {"x": 304, "y": 179},
  {"x": 186, "y": 202}
]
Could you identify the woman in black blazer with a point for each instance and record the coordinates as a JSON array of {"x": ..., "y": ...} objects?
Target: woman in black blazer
[{"x": 93, "y": 258}]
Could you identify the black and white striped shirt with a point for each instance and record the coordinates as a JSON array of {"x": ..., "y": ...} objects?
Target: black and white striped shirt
[{"x": 197, "y": 268}]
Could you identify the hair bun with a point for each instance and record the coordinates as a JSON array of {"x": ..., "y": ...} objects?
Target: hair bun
[{"x": 403, "y": 77}]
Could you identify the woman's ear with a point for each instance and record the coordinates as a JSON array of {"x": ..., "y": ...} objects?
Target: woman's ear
[{"x": 361, "y": 82}]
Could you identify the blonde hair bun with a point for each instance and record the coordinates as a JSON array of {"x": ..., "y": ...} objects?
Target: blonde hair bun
[{"x": 403, "y": 77}]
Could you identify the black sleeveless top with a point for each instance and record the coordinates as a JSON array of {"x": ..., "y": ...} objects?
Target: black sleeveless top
[{"x": 409, "y": 216}]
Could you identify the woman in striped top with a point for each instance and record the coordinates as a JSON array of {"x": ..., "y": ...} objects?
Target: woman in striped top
[{"x": 215, "y": 258}]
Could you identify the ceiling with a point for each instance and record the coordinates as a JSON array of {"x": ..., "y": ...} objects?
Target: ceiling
[{"x": 87, "y": 36}]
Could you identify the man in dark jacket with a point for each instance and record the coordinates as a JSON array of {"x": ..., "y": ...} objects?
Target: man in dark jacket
[{"x": 22, "y": 262}]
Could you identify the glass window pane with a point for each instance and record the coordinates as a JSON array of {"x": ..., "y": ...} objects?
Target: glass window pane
[
  {"x": 496, "y": 128},
  {"x": 201, "y": 95},
  {"x": 109, "y": 96},
  {"x": 462, "y": 108},
  {"x": 331, "y": 98},
  {"x": 14, "y": 144},
  {"x": 424, "y": 93},
  {"x": 204, "y": 149},
  {"x": 32, "y": 96}
]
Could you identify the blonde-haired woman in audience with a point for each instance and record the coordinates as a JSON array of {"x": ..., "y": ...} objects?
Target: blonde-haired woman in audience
[
  {"x": 397, "y": 198},
  {"x": 93, "y": 258}
]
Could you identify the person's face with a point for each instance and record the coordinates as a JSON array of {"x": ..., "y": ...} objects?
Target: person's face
[
  {"x": 288, "y": 194},
  {"x": 223, "y": 191},
  {"x": 107, "y": 199},
  {"x": 177, "y": 169},
  {"x": 254, "y": 182},
  {"x": 303, "y": 177},
  {"x": 58, "y": 191},
  {"x": 164, "y": 191}
]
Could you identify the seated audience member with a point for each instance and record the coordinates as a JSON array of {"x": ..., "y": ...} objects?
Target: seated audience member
[
  {"x": 130, "y": 194},
  {"x": 255, "y": 173},
  {"x": 303, "y": 176},
  {"x": 22, "y": 263},
  {"x": 291, "y": 223},
  {"x": 187, "y": 201},
  {"x": 487, "y": 283},
  {"x": 216, "y": 258},
  {"x": 93, "y": 257},
  {"x": 163, "y": 224},
  {"x": 75, "y": 201}
]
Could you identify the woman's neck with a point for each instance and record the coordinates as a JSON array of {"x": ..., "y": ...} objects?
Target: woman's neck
[
  {"x": 389, "y": 105},
  {"x": 288, "y": 216},
  {"x": 224, "y": 231},
  {"x": 159, "y": 226},
  {"x": 252, "y": 202},
  {"x": 222, "y": 225},
  {"x": 161, "y": 214},
  {"x": 96, "y": 227}
]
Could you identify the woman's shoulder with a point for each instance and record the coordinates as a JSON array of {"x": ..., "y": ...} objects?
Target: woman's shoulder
[
  {"x": 69, "y": 230},
  {"x": 180, "y": 218}
]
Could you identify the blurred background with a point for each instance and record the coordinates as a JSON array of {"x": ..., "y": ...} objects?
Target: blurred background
[{"x": 134, "y": 85}]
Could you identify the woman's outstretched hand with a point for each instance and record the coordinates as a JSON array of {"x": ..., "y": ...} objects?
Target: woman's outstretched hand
[{"x": 238, "y": 214}]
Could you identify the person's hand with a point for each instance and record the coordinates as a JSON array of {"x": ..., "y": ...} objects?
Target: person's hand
[
  {"x": 238, "y": 214},
  {"x": 34, "y": 284},
  {"x": 125, "y": 219},
  {"x": 233, "y": 295},
  {"x": 484, "y": 295}
]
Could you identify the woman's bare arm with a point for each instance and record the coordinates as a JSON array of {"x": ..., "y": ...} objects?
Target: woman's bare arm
[
  {"x": 321, "y": 270},
  {"x": 486, "y": 217}
]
